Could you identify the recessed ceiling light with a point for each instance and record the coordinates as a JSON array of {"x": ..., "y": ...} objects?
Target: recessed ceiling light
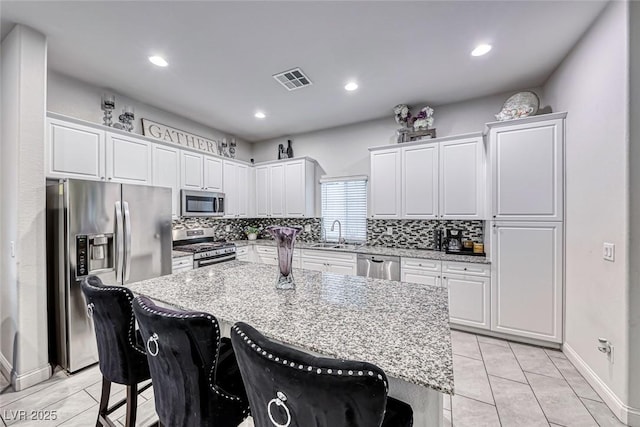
[
  {"x": 260, "y": 115},
  {"x": 158, "y": 60},
  {"x": 481, "y": 49},
  {"x": 351, "y": 86}
]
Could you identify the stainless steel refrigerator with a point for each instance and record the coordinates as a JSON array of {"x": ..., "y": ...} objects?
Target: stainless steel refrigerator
[{"x": 118, "y": 232}]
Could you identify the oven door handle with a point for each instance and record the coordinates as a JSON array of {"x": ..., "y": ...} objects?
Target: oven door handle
[{"x": 204, "y": 263}]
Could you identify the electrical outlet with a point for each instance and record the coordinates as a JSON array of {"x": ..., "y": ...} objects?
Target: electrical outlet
[
  {"x": 227, "y": 228},
  {"x": 609, "y": 251},
  {"x": 307, "y": 228},
  {"x": 390, "y": 231}
]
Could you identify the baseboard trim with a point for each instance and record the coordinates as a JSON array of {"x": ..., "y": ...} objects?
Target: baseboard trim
[
  {"x": 626, "y": 414},
  {"x": 21, "y": 382},
  {"x": 505, "y": 336},
  {"x": 5, "y": 367}
]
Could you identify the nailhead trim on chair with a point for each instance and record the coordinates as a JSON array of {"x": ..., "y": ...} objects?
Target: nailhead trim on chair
[
  {"x": 132, "y": 322},
  {"x": 213, "y": 320},
  {"x": 309, "y": 368}
]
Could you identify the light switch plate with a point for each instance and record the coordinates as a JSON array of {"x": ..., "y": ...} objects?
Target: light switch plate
[
  {"x": 227, "y": 228},
  {"x": 390, "y": 231},
  {"x": 609, "y": 251},
  {"x": 307, "y": 228}
]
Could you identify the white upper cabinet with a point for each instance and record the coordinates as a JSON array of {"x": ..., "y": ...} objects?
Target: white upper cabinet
[
  {"x": 236, "y": 189},
  {"x": 262, "y": 191},
  {"x": 462, "y": 178},
  {"x": 191, "y": 165},
  {"x": 527, "y": 264},
  {"x": 420, "y": 181},
  {"x": 201, "y": 172},
  {"x": 299, "y": 182},
  {"x": 527, "y": 169},
  {"x": 129, "y": 160},
  {"x": 166, "y": 173},
  {"x": 212, "y": 174},
  {"x": 286, "y": 189},
  {"x": 276, "y": 190},
  {"x": 437, "y": 179},
  {"x": 386, "y": 183},
  {"x": 244, "y": 190},
  {"x": 74, "y": 151}
]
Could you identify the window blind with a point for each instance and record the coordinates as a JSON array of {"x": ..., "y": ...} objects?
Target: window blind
[{"x": 346, "y": 201}]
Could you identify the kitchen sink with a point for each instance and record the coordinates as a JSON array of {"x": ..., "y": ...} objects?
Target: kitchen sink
[
  {"x": 326, "y": 245},
  {"x": 333, "y": 245}
]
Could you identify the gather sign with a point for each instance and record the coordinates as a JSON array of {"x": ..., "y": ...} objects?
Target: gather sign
[{"x": 176, "y": 136}]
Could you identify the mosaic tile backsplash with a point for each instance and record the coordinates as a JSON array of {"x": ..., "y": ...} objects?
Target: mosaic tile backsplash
[
  {"x": 418, "y": 234},
  {"x": 407, "y": 234},
  {"x": 237, "y": 226}
]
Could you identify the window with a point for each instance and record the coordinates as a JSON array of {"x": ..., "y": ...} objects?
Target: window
[{"x": 345, "y": 200}]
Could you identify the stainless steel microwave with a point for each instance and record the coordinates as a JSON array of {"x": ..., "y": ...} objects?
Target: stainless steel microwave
[{"x": 201, "y": 203}]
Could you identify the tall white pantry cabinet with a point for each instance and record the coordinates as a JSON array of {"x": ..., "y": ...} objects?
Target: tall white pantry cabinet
[{"x": 526, "y": 227}]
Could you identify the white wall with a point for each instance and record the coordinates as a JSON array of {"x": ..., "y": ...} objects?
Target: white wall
[
  {"x": 23, "y": 288},
  {"x": 81, "y": 100},
  {"x": 592, "y": 85},
  {"x": 634, "y": 223},
  {"x": 344, "y": 150}
]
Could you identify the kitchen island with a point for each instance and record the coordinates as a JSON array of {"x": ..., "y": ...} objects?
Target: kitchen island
[{"x": 403, "y": 328}]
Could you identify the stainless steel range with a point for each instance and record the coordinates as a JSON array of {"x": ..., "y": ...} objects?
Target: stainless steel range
[{"x": 205, "y": 248}]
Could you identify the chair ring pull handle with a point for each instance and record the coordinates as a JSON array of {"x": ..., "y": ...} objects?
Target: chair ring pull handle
[
  {"x": 279, "y": 401},
  {"x": 90, "y": 307},
  {"x": 153, "y": 339}
]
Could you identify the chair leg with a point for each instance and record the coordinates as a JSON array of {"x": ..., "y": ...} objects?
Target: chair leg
[
  {"x": 132, "y": 405},
  {"x": 104, "y": 401}
]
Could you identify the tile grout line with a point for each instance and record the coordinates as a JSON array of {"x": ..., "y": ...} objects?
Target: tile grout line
[
  {"x": 495, "y": 404},
  {"x": 574, "y": 392},
  {"x": 529, "y": 384}
]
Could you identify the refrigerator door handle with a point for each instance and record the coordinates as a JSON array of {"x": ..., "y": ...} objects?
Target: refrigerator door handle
[
  {"x": 127, "y": 243},
  {"x": 119, "y": 242}
]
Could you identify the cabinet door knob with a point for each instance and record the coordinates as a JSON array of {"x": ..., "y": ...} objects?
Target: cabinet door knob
[
  {"x": 102, "y": 178},
  {"x": 110, "y": 178}
]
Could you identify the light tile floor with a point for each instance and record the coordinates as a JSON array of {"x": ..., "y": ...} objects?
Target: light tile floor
[{"x": 497, "y": 383}]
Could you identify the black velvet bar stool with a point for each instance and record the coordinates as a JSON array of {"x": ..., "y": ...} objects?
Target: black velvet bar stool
[
  {"x": 287, "y": 387},
  {"x": 195, "y": 374},
  {"x": 121, "y": 352}
]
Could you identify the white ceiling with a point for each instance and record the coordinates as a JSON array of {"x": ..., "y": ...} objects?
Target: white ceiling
[{"x": 222, "y": 54}]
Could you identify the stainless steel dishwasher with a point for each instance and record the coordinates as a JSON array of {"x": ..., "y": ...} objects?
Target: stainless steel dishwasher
[{"x": 379, "y": 267}]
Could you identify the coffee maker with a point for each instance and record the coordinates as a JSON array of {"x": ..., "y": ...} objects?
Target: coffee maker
[{"x": 454, "y": 241}]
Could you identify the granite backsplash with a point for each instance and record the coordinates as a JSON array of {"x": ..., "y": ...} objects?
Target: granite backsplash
[
  {"x": 407, "y": 234},
  {"x": 418, "y": 234}
]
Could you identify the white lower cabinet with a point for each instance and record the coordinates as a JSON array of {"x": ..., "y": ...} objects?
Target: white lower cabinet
[
  {"x": 527, "y": 279},
  {"x": 329, "y": 261},
  {"x": 423, "y": 271},
  {"x": 469, "y": 300},
  {"x": 182, "y": 263},
  {"x": 242, "y": 253},
  {"x": 469, "y": 287},
  {"x": 269, "y": 255}
]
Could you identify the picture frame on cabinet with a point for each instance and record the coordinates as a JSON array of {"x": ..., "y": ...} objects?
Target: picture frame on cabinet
[{"x": 410, "y": 135}]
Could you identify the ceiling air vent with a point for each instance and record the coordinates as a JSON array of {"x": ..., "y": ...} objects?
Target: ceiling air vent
[{"x": 292, "y": 79}]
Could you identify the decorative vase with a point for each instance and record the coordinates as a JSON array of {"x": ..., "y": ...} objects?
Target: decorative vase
[
  {"x": 285, "y": 238},
  {"x": 289, "y": 149},
  {"x": 252, "y": 236}
]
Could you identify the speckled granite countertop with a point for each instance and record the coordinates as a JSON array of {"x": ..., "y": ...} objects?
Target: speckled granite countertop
[
  {"x": 403, "y": 329},
  {"x": 378, "y": 250},
  {"x": 178, "y": 254}
]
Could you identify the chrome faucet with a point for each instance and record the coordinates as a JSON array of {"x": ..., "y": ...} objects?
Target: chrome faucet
[{"x": 340, "y": 239}]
